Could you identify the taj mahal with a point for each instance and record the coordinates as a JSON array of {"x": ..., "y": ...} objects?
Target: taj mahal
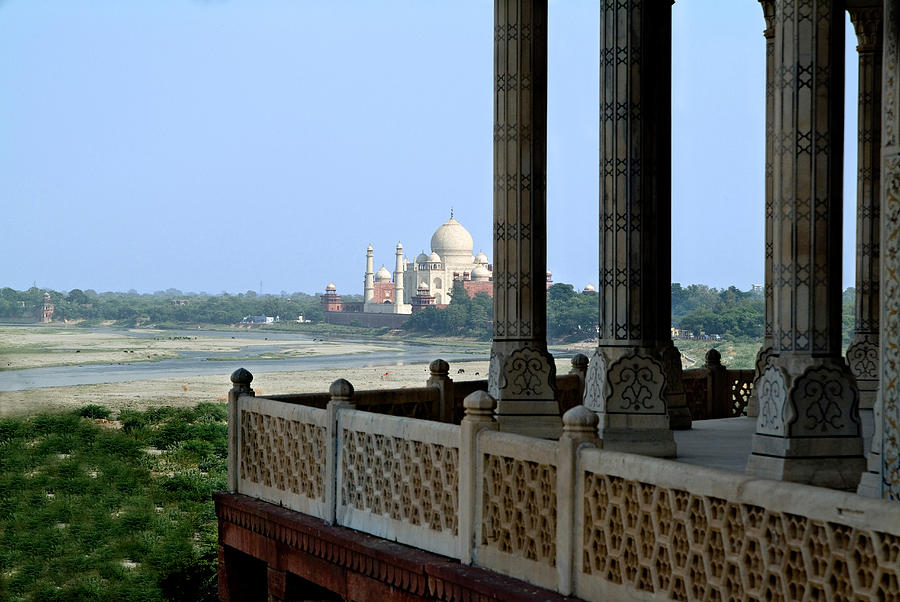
[{"x": 426, "y": 281}]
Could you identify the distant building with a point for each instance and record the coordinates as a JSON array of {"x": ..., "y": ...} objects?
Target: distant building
[
  {"x": 47, "y": 309},
  {"x": 415, "y": 285}
]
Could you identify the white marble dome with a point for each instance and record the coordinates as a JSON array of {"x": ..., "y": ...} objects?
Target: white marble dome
[
  {"x": 452, "y": 239},
  {"x": 590, "y": 289},
  {"x": 434, "y": 258},
  {"x": 330, "y": 287},
  {"x": 422, "y": 258},
  {"x": 382, "y": 275},
  {"x": 481, "y": 274},
  {"x": 481, "y": 259}
]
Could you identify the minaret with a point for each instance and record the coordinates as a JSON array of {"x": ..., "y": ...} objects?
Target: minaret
[
  {"x": 370, "y": 277},
  {"x": 398, "y": 280}
]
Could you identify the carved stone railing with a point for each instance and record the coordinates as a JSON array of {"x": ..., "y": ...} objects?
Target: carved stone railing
[
  {"x": 442, "y": 397},
  {"x": 563, "y": 515},
  {"x": 713, "y": 391}
]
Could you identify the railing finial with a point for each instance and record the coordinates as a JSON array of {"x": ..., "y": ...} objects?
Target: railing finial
[
  {"x": 241, "y": 379},
  {"x": 479, "y": 405},
  {"x": 341, "y": 389}
]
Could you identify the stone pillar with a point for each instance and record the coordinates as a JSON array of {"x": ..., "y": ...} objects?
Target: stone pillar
[
  {"x": 440, "y": 378},
  {"x": 522, "y": 375},
  {"x": 479, "y": 416},
  {"x": 626, "y": 382},
  {"x": 369, "y": 296},
  {"x": 240, "y": 385},
  {"x": 398, "y": 280},
  {"x": 890, "y": 255},
  {"x": 765, "y": 355},
  {"x": 808, "y": 427},
  {"x": 863, "y": 353}
]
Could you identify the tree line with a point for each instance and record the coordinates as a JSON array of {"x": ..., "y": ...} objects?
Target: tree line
[
  {"x": 571, "y": 315},
  {"x": 160, "y": 308}
]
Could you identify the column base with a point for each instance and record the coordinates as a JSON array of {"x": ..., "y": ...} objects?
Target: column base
[
  {"x": 808, "y": 428},
  {"x": 625, "y": 386},
  {"x": 834, "y": 473},
  {"x": 658, "y": 443},
  {"x": 531, "y": 425},
  {"x": 680, "y": 418},
  {"x": 522, "y": 378},
  {"x": 870, "y": 485}
]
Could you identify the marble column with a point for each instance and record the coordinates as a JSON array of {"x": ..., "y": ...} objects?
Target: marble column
[
  {"x": 808, "y": 428},
  {"x": 765, "y": 354},
  {"x": 522, "y": 376},
  {"x": 862, "y": 355},
  {"x": 626, "y": 382},
  {"x": 890, "y": 255}
]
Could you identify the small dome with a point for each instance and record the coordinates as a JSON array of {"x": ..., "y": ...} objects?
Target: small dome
[
  {"x": 423, "y": 286},
  {"x": 590, "y": 289},
  {"x": 399, "y": 247},
  {"x": 331, "y": 287},
  {"x": 452, "y": 239},
  {"x": 382, "y": 275},
  {"x": 434, "y": 257},
  {"x": 481, "y": 274},
  {"x": 369, "y": 248},
  {"x": 549, "y": 274},
  {"x": 481, "y": 259},
  {"x": 422, "y": 258}
]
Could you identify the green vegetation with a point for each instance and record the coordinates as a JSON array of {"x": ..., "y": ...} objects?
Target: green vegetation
[
  {"x": 162, "y": 308},
  {"x": 731, "y": 313},
  {"x": 464, "y": 317},
  {"x": 91, "y": 510}
]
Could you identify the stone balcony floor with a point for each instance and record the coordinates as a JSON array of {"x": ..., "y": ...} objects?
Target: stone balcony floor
[{"x": 725, "y": 443}]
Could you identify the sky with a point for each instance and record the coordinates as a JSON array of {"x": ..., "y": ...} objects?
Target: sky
[{"x": 234, "y": 145}]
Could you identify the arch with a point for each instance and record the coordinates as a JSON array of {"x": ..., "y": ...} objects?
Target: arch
[
  {"x": 437, "y": 299},
  {"x": 438, "y": 283}
]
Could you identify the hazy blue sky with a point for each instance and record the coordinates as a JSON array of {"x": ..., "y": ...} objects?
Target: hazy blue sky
[{"x": 213, "y": 145}]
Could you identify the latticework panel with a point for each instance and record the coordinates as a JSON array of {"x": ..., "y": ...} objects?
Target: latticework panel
[
  {"x": 741, "y": 389},
  {"x": 283, "y": 454},
  {"x": 410, "y": 481},
  {"x": 519, "y": 508},
  {"x": 694, "y": 547},
  {"x": 695, "y": 392}
]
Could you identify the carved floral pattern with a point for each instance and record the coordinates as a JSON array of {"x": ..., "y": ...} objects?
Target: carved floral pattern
[
  {"x": 772, "y": 395},
  {"x": 519, "y": 508},
  {"x": 862, "y": 357},
  {"x": 287, "y": 455},
  {"x": 681, "y": 546},
  {"x": 407, "y": 480},
  {"x": 636, "y": 385},
  {"x": 824, "y": 401}
]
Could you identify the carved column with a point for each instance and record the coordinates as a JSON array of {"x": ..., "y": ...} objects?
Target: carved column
[
  {"x": 626, "y": 382},
  {"x": 522, "y": 375},
  {"x": 862, "y": 355},
  {"x": 808, "y": 427},
  {"x": 890, "y": 255},
  {"x": 765, "y": 355}
]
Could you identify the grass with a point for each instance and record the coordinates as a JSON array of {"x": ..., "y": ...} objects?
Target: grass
[{"x": 98, "y": 510}]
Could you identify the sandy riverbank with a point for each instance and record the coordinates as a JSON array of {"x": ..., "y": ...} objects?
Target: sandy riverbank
[
  {"x": 143, "y": 394},
  {"x": 24, "y": 347}
]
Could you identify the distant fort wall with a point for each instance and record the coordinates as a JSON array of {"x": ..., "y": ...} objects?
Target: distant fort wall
[{"x": 368, "y": 320}]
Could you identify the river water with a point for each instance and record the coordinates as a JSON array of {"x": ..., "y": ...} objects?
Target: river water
[{"x": 198, "y": 364}]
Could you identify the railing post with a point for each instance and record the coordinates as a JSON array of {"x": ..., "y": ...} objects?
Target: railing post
[
  {"x": 341, "y": 398},
  {"x": 579, "y": 368},
  {"x": 240, "y": 381},
  {"x": 479, "y": 416},
  {"x": 440, "y": 378},
  {"x": 579, "y": 430},
  {"x": 718, "y": 390}
]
